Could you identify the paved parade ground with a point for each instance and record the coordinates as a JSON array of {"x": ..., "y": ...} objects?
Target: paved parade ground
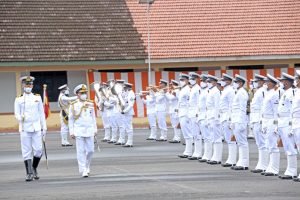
[{"x": 150, "y": 170}]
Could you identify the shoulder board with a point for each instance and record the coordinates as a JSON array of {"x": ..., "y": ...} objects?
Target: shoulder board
[
  {"x": 72, "y": 102},
  {"x": 91, "y": 101},
  {"x": 37, "y": 94},
  {"x": 20, "y": 96}
]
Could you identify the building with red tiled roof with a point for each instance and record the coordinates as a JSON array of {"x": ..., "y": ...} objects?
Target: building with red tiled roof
[{"x": 59, "y": 41}]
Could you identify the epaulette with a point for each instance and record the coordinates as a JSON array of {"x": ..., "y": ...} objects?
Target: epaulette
[
  {"x": 91, "y": 101},
  {"x": 37, "y": 94},
  {"x": 72, "y": 102}
]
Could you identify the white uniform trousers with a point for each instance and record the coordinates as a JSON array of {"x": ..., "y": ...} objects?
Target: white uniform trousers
[
  {"x": 207, "y": 137},
  {"x": 296, "y": 136},
  {"x": 261, "y": 142},
  {"x": 290, "y": 150},
  {"x": 240, "y": 132},
  {"x": 185, "y": 128},
  {"x": 268, "y": 128},
  {"x": 121, "y": 127},
  {"x": 85, "y": 150},
  {"x": 64, "y": 131},
  {"x": 128, "y": 128},
  {"x": 31, "y": 141},
  {"x": 174, "y": 122},
  {"x": 195, "y": 131},
  {"x": 152, "y": 124},
  {"x": 232, "y": 147},
  {"x": 116, "y": 122},
  {"x": 106, "y": 126},
  {"x": 162, "y": 124},
  {"x": 214, "y": 127}
]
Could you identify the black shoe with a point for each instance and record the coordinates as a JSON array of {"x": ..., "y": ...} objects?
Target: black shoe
[
  {"x": 263, "y": 173},
  {"x": 183, "y": 143},
  {"x": 183, "y": 156},
  {"x": 174, "y": 141},
  {"x": 111, "y": 142},
  {"x": 213, "y": 162},
  {"x": 35, "y": 164},
  {"x": 29, "y": 172},
  {"x": 150, "y": 139},
  {"x": 194, "y": 158},
  {"x": 119, "y": 143},
  {"x": 104, "y": 140},
  {"x": 239, "y": 168},
  {"x": 287, "y": 177},
  {"x": 256, "y": 171},
  {"x": 161, "y": 140},
  {"x": 270, "y": 174},
  {"x": 127, "y": 145},
  {"x": 228, "y": 165},
  {"x": 202, "y": 160},
  {"x": 296, "y": 179}
]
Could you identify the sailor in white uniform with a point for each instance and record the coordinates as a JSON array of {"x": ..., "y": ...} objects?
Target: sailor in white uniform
[
  {"x": 207, "y": 137},
  {"x": 83, "y": 128},
  {"x": 30, "y": 114},
  {"x": 295, "y": 132},
  {"x": 213, "y": 121},
  {"x": 284, "y": 125},
  {"x": 64, "y": 102},
  {"x": 161, "y": 110},
  {"x": 269, "y": 123},
  {"x": 193, "y": 115},
  {"x": 128, "y": 113},
  {"x": 172, "y": 96},
  {"x": 226, "y": 99},
  {"x": 239, "y": 122},
  {"x": 183, "y": 110},
  {"x": 255, "y": 123}
]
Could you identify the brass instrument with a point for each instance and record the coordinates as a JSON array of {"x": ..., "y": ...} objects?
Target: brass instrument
[
  {"x": 101, "y": 93},
  {"x": 117, "y": 90},
  {"x": 141, "y": 93}
]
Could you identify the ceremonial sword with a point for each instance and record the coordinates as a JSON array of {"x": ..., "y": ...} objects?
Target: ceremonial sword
[
  {"x": 45, "y": 149},
  {"x": 96, "y": 141}
]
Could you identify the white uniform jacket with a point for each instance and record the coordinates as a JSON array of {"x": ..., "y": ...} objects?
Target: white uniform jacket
[
  {"x": 226, "y": 99},
  {"x": 82, "y": 119},
  {"x": 239, "y": 107},
  {"x": 161, "y": 102},
  {"x": 183, "y": 101},
  {"x": 296, "y": 110},
  {"x": 29, "y": 111},
  {"x": 129, "y": 103},
  {"x": 202, "y": 103},
  {"x": 193, "y": 101},
  {"x": 256, "y": 105},
  {"x": 270, "y": 105},
  {"x": 285, "y": 108},
  {"x": 150, "y": 103},
  {"x": 172, "y": 101},
  {"x": 213, "y": 103}
]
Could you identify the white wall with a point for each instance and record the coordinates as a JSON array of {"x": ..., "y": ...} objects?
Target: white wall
[{"x": 8, "y": 91}]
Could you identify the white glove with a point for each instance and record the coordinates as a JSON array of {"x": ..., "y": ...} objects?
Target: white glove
[{"x": 291, "y": 133}]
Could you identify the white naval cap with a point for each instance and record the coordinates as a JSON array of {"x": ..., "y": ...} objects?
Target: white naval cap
[
  {"x": 239, "y": 78},
  {"x": 163, "y": 81},
  {"x": 203, "y": 77},
  {"x": 183, "y": 76},
  {"x": 285, "y": 76},
  {"x": 120, "y": 81},
  {"x": 174, "y": 82},
  {"x": 80, "y": 88},
  {"x": 194, "y": 75},
  {"x": 63, "y": 87},
  {"x": 227, "y": 77},
  {"x": 128, "y": 85},
  {"x": 258, "y": 77},
  {"x": 212, "y": 78},
  {"x": 27, "y": 79},
  {"x": 271, "y": 78}
]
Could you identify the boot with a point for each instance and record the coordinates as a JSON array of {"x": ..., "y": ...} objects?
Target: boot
[
  {"x": 35, "y": 164},
  {"x": 177, "y": 136},
  {"x": 232, "y": 152},
  {"x": 198, "y": 150},
  {"x": 163, "y": 136},
  {"x": 106, "y": 135},
  {"x": 153, "y": 134},
  {"x": 263, "y": 160},
  {"x": 129, "y": 142},
  {"x": 273, "y": 167},
  {"x": 64, "y": 140},
  {"x": 188, "y": 149},
  {"x": 217, "y": 155},
  {"x": 291, "y": 170},
  {"x": 29, "y": 173},
  {"x": 207, "y": 152}
]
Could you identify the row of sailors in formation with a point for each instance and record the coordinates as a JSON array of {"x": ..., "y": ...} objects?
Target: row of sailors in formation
[{"x": 208, "y": 109}]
